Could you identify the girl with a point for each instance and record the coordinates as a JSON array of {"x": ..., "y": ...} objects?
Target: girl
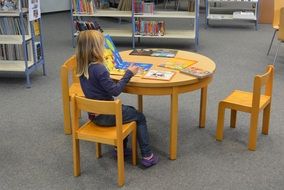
[{"x": 97, "y": 84}]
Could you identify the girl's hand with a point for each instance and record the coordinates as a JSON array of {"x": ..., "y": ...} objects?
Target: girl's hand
[{"x": 133, "y": 68}]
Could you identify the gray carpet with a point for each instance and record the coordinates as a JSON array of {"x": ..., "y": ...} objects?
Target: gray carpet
[{"x": 35, "y": 153}]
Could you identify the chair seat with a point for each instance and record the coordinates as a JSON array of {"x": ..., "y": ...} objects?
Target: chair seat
[
  {"x": 75, "y": 88},
  {"x": 106, "y": 135},
  {"x": 243, "y": 100}
]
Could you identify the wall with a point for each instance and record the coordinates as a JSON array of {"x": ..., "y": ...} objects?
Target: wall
[{"x": 54, "y": 5}]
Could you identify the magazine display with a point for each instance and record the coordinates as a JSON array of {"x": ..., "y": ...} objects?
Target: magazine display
[
  {"x": 159, "y": 75},
  {"x": 114, "y": 62},
  {"x": 196, "y": 72},
  {"x": 178, "y": 63}
]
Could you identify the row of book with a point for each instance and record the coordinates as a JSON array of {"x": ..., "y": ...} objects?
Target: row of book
[
  {"x": 11, "y": 5},
  {"x": 87, "y": 25},
  {"x": 12, "y": 26},
  {"x": 89, "y": 6},
  {"x": 141, "y": 7},
  {"x": 149, "y": 28}
]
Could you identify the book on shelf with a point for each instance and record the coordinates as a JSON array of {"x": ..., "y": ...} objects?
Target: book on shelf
[
  {"x": 149, "y": 28},
  {"x": 114, "y": 63},
  {"x": 159, "y": 75},
  {"x": 196, "y": 72},
  {"x": 37, "y": 51},
  {"x": 84, "y": 6},
  {"x": 142, "y": 7},
  {"x": 154, "y": 52},
  {"x": 177, "y": 63},
  {"x": 36, "y": 27}
]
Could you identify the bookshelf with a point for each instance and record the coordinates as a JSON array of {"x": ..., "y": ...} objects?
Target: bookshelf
[
  {"x": 80, "y": 14},
  {"x": 182, "y": 16},
  {"x": 18, "y": 50},
  {"x": 232, "y": 10},
  {"x": 129, "y": 32}
]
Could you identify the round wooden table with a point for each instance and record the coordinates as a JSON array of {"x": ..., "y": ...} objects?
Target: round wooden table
[{"x": 180, "y": 83}]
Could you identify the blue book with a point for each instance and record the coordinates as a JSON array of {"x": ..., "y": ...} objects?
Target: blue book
[{"x": 119, "y": 66}]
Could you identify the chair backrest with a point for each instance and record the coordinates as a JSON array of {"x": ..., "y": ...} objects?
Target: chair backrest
[
  {"x": 265, "y": 80},
  {"x": 278, "y": 4},
  {"x": 281, "y": 25},
  {"x": 68, "y": 67},
  {"x": 96, "y": 106}
]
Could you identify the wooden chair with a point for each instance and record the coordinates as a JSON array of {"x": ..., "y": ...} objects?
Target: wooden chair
[
  {"x": 278, "y": 4},
  {"x": 251, "y": 103},
  {"x": 280, "y": 33},
  {"x": 69, "y": 87},
  {"x": 106, "y": 135}
]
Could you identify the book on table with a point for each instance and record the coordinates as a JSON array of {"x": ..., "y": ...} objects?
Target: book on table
[
  {"x": 155, "y": 52},
  {"x": 115, "y": 64},
  {"x": 159, "y": 75},
  {"x": 196, "y": 72},
  {"x": 177, "y": 63}
]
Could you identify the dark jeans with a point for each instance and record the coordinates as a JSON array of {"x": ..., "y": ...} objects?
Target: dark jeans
[{"x": 129, "y": 114}]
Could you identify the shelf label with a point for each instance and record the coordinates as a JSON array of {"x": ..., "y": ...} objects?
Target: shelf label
[{"x": 34, "y": 10}]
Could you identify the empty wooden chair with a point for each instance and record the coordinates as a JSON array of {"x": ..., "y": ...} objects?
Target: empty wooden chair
[
  {"x": 280, "y": 33},
  {"x": 251, "y": 103},
  {"x": 105, "y": 135},
  {"x": 70, "y": 85},
  {"x": 278, "y": 4}
]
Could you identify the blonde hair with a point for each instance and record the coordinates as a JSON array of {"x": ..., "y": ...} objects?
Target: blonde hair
[{"x": 90, "y": 49}]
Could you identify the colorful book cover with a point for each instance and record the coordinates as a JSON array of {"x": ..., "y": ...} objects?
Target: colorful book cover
[
  {"x": 159, "y": 75},
  {"x": 114, "y": 62},
  {"x": 155, "y": 52},
  {"x": 196, "y": 72},
  {"x": 178, "y": 63}
]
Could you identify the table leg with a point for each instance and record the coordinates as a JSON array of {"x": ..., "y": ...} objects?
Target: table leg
[
  {"x": 140, "y": 103},
  {"x": 174, "y": 126},
  {"x": 203, "y": 101}
]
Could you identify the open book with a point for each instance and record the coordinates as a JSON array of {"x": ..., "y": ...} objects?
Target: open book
[
  {"x": 155, "y": 52},
  {"x": 159, "y": 75},
  {"x": 115, "y": 64}
]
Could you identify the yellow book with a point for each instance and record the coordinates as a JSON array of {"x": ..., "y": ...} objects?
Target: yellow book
[
  {"x": 36, "y": 27},
  {"x": 177, "y": 63}
]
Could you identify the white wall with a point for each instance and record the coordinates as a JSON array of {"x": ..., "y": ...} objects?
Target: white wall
[{"x": 54, "y": 5}]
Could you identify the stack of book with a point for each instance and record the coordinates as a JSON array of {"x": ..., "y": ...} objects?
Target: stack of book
[{"x": 149, "y": 28}]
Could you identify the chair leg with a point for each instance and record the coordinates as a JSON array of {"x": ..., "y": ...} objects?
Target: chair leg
[
  {"x": 253, "y": 131},
  {"x": 266, "y": 119},
  {"x": 120, "y": 164},
  {"x": 271, "y": 42},
  {"x": 134, "y": 147},
  {"x": 98, "y": 150},
  {"x": 233, "y": 118},
  {"x": 67, "y": 117},
  {"x": 278, "y": 46},
  {"x": 220, "y": 122},
  {"x": 76, "y": 157}
]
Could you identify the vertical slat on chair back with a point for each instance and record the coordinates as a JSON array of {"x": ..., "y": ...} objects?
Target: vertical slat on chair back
[
  {"x": 99, "y": 107},
  {"x": 71, "y": 66},
  {"x": 281, "y": 25},
  {"x": 278, "y": 4},
  {"x": 262, "y": 80}
]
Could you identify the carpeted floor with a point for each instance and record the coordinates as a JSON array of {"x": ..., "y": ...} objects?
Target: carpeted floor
[{"x": 35, "y": 153}]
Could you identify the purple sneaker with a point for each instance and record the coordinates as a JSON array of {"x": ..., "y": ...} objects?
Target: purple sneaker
[
  {"x": 152, "y": 161},
  {"x": 127, "y": 152}
]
